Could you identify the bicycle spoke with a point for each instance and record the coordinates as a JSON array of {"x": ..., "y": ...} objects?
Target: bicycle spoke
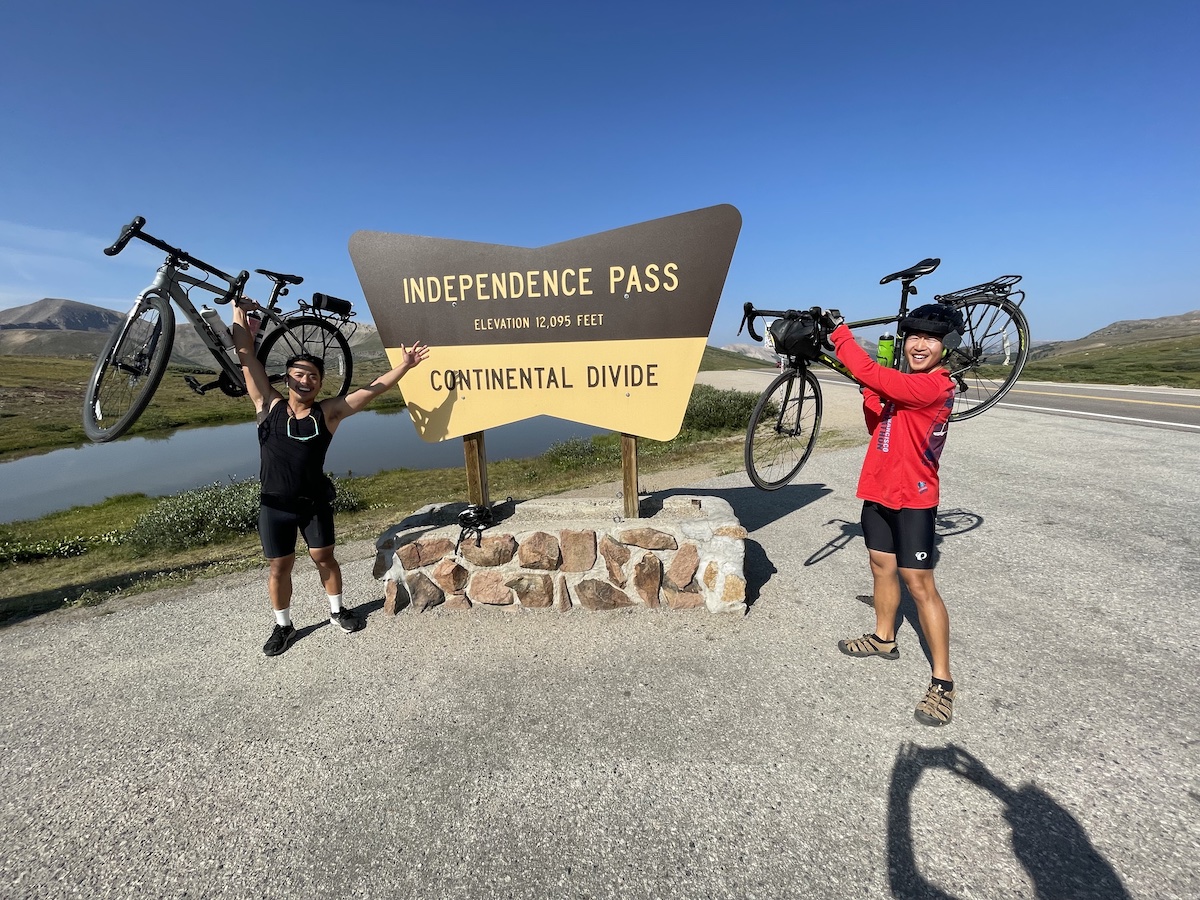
[
  {"x": 128, "y": 370},
  {"x": 993, "y": 352},
  {"x": 317, "y": 336}
]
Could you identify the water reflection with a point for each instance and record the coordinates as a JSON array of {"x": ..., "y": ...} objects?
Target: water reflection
[{"x": 365, "y": 444}]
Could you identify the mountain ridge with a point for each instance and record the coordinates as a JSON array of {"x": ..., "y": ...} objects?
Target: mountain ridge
[{"x": 55, "y": 326}]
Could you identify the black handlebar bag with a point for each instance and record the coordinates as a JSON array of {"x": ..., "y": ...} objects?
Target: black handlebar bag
[{"x": 797, "y": 336}]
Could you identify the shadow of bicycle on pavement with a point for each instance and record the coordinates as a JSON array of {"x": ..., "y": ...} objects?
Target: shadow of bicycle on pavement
[{"x": 949, "y": 522}]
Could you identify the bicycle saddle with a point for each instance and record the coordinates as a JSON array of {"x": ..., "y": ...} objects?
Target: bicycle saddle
[
  {"x": 280, "y": 278},
  {"x": 924, "y": 267}
]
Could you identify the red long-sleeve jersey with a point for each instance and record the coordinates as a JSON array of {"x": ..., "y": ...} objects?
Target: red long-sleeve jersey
[{"x": 907, "y": 414}]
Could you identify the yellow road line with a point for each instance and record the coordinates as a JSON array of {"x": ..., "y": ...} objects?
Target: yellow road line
[{"x": 1107, "y": 399}]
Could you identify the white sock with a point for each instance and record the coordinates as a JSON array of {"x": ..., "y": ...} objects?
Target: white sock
[
  {"x": 283, "y": 617},
  {"x": 335, "y": 603}
]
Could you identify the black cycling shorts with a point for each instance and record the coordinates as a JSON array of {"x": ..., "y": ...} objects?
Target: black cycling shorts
[
  {"x": 278, "y": 527},
  {"x": 907, "y": 533}
]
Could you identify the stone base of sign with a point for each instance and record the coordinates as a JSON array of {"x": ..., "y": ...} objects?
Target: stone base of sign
[{"x": 561, "y": 554}]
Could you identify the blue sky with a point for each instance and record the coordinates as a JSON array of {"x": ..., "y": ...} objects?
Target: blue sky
[{"x": 1056, "y": 140}]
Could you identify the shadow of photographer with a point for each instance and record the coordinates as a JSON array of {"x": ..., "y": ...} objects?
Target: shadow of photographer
[{"x": 1047, "y": 840}]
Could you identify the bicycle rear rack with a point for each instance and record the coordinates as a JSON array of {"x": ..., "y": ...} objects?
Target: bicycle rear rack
[
  {"x": 334, "y": 309},
  {"x": 1000, "y": 289}
]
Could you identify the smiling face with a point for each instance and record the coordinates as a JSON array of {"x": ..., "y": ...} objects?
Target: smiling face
[
  {"x": 922, "y": 352},
  {"x": 303, "y": 379}
]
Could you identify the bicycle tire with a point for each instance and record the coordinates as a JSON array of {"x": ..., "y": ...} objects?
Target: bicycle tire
[
  {"x": 129, "y": 369},
  {"x": 315, "y": 335},
  {"x": 783, "y": 429},
  {"x": 994, "y": 350}
]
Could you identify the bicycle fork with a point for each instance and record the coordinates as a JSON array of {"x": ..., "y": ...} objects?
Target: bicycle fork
[
  {"x": 785, "y": 423},
  {"x": 135, "y": 363}
]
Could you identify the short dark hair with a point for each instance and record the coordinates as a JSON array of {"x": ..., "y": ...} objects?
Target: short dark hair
[{"x": 308, "y": 358}]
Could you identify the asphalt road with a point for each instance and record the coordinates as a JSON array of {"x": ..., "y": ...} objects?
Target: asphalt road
[
  {"x": 1154, "y": 406},
  {"x": 148, "y": 749}
]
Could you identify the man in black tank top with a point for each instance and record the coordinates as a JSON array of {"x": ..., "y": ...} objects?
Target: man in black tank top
[{"x": 294, "y": 434}]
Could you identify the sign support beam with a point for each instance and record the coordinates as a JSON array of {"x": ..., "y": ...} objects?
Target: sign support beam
[
  {"x": 629, "y": 476},
  {"x": 477, "y": 480}
]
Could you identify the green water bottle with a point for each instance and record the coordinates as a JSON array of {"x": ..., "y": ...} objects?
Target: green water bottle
[{"x": 886, "y": 354}]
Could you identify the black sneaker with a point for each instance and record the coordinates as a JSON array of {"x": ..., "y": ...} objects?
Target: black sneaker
[
  {"x": 346, "y": 620},
  {"x": 281, "y": 638}
]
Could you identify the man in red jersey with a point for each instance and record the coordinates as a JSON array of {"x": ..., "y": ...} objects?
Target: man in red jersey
[{"x": 907, "y": 414}]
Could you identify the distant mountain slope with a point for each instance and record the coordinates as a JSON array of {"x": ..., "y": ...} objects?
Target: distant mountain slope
[
  {"x": 762, "y": 352},
  {"x": 52, "y": 314},
  {"x": 723, "y": 359},
  {"x": 1122, "y": 334},
  {"x": 754, "y": 351},
  {"x": 66, "y": 328}
]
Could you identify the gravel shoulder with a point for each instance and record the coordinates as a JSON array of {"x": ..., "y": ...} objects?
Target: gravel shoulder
[{"x": 149, "y": 748}]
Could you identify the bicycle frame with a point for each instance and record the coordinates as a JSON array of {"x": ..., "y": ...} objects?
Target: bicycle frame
[{"x": 173, "y": 283}]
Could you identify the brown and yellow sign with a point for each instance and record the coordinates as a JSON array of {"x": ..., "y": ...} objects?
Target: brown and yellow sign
[{"x": 607, "y": 329}]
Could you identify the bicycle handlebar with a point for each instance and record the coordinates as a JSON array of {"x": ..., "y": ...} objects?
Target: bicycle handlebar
[
  {"x": 134, "y": 230},
  {"x": 749, "y": 314}
]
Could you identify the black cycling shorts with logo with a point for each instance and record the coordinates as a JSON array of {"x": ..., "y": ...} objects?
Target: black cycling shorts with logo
[
  {"x": 280, "y": 523},
  {"x": 907, "y": 533}
]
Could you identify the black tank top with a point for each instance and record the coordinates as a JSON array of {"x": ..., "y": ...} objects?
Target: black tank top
[{"x": 292, "y": 470}]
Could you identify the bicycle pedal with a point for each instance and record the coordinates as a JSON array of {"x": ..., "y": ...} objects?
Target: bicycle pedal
[{"x": 194, "y": 383}]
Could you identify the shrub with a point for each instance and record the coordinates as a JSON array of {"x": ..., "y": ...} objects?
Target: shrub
[
  {"x": 212, "y": 513},
  {"x": 15, "y": 550},
  {"x": 583, "y": 453},
  {"x": 711, "y": 411}
]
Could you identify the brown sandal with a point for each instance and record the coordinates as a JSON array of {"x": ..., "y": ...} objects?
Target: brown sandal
[
  {"x": 936, "y": 707},
  {"x": 869, "y": 645}
]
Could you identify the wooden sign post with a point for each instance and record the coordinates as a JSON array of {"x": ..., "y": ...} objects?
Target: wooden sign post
[
  {"x": 629, "y": 476},
  {"x": 476, "y": 458}
]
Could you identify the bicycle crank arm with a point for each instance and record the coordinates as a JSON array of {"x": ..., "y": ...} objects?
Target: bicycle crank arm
[{"x": 194, "y": 383}]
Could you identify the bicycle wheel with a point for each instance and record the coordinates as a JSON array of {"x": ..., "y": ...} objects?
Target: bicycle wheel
[
  {"x": 783, "y": 429},
  {"x": 309, "y": 334},
  {"x": 992, "y": 355},
  {"x": 129, "y": 370}
]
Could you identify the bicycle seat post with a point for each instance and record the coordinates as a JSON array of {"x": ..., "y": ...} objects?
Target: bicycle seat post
[
  {"x": 906, "y": 288},
  {"x": 278, "y": 289}
]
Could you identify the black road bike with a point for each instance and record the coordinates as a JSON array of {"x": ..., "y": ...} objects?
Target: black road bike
[
  {"x": 787, "y": 418},
  {"x": 131, "y": 366}
]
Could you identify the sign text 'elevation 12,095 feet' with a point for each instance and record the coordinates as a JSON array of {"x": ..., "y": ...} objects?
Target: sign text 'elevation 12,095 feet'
[{"x": 607, "y": 330}]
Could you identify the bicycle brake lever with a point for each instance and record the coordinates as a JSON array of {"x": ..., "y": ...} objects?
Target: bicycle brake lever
[{"x": 235, "y": 289}]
